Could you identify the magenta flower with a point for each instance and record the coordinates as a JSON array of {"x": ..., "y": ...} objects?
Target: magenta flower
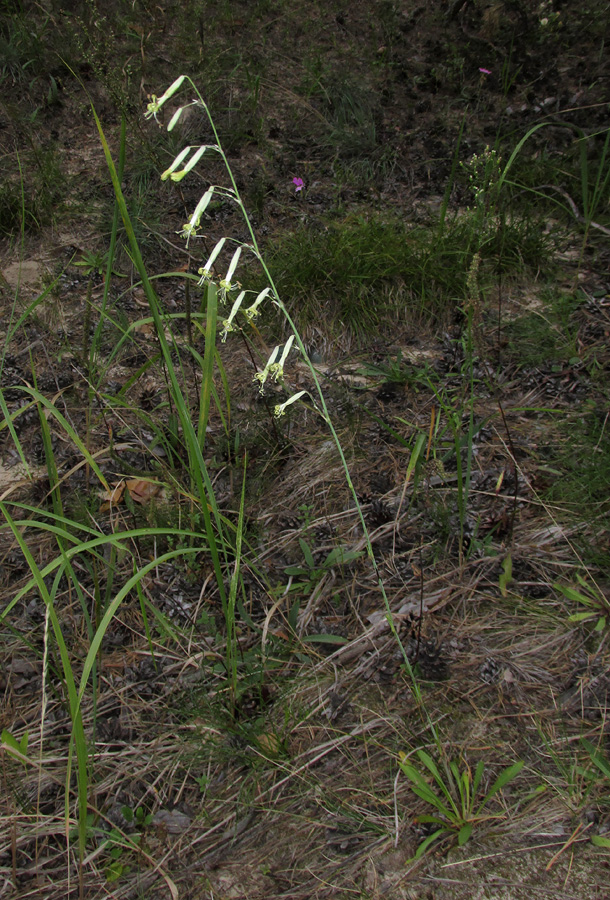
[
  {"x": 299, "y": 184},
  {"x": 484, "y": 71}
]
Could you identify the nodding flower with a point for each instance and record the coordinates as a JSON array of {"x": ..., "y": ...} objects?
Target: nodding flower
[
  {"x": 262, "y": 376},
  {"x": 274, "y": 369},
  {"x": 226, "y": 285},
  {"x": 206, "y": 271},
  {"x": 299, "y": 184},
  {"x": 190, "y": 229},
  {"x": 280, "y": 409},
  {"x": 253, "y": 311},
  {"x": 227, "y": 324},
  {"x": 155, "y": 105}
]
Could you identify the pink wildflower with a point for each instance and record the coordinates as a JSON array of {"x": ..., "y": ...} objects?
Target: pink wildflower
[{"x": 299, "y": 184}]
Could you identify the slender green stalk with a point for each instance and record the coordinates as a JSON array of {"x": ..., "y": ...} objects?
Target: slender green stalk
[{"x": 253, "y": 247}]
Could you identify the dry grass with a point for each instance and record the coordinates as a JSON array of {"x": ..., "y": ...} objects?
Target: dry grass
[{"x": 301, "y": 796}]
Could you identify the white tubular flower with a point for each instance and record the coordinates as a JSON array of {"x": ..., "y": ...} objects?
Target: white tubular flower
[
  {"x": 276, "y": 369},
  {"x": 190, "y": 229},
  {"x": 225, "y": 284},
  {"x": 174, "y": 119},
  {"x": 262, "y": 376},
  {"x": 155, "y": 105},
  {"x": 227, "y": 324},
  {"x": 182, "y": 155},
  {"x": 206, "y": 271},
  {"x": 253, "y": 311},
  {"x": 178, "y": 176},
  {"x": 280, "y": 409}
]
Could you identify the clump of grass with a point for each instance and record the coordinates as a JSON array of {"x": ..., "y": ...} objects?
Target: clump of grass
[
  {"x": 370, "y": 271},
  {"x": 583, "y": 458},
  {"x": 367, "y": 271},
  {"x": 32, "y": 193},
  {"x": 23, "y": 47},
  {"x": 545, "y": 335},
  {"x": 351, "y": 114}
]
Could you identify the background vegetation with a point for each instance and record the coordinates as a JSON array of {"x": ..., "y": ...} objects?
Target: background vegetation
[{"x": 347, "y": 634}]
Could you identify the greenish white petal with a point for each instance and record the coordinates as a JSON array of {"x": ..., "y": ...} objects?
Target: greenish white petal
[
  {"x": 206, "y": 271},
  {"x": 182, "y": 155},
  {"x": 155, "y": 105},
  {"x": 262, "y": 376},
  {"x": 253, "y": 310},
  {"x": 280, "y": 409},
  {"x": 178, "y": 176},
  {"x": 201, "y": 207},
  {"x": 232, "y": 266},
  {"x": 286, "y": 350},
  {"x": 175, "y": 118}
]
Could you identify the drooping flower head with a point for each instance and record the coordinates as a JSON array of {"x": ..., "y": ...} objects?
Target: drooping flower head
[{"x": 299, "y": 184}]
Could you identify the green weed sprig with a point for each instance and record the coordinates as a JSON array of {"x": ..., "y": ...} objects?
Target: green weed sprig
[{"x": 454, "y": 794}]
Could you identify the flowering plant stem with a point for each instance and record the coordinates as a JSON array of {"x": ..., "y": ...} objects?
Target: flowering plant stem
[
  {"x": 198, "y": 470},
  {"x": 323, "y": 409}
]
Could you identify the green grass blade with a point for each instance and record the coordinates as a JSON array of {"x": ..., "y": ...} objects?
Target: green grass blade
[
  {"x": 198, "y": 469},
  {"x": 501, "y": 781},
  {"x": 602, "y": 764},
  {"x": 425, "y": 844},
  {"x": 81, "y": 547},
  {"x": 422, "y": 789},
  {"x": 600, "y": 841},
  {"x": 50, "y": 461},
  {"x": 478, "y": 774},
  {"x": 208, "y": 362},
  {"x": 114, "y": 605},
  {"x": 432, "y": 767},
  {"x": 518, "y": 149},
  {"x": 235, "y": 578},
  {"x": 305, "y": 549},
  {"x": 61, "y": 419},
  {"x": 143, "y": 610},
  {"x": 8, "y": 419},
  {"x": 78, "y": 732}
]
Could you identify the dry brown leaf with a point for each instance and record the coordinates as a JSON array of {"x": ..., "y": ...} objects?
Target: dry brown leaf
[
  {"x": 142, "y": 491},
  {"x": 112, "y": 497},
  {"x": 145, "y": 328}
]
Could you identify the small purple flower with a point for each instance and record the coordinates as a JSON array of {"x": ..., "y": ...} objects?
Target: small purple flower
[
  {"x": 299, "y": 184},
  {"x": 484, "y": 71}
]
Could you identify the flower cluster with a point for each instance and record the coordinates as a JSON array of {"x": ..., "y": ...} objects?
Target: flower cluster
[
  {"x": 186, "y": 160},
  {"x": 484, "y": 174},
  {"x": 250, "y": 313},
  {"x": 274, "y": 369}
]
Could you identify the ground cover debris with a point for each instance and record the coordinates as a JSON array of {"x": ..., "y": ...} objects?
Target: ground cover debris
[{"x": 304, "y": 503}]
